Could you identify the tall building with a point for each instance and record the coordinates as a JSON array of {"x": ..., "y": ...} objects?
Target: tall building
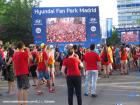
[{"x": 128, "y": 13}]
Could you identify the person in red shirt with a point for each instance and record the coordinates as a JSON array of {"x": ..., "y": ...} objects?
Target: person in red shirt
[
  {"x": 43, "y": 74},
  {"x": 139, "y": 56},
  {"x": 20, "y": 65},
  {"x": 1, "y": 59},
  {"x": 73, "y": 76},
  {"x": 2, "y": 52},
  {"x": 135, "y": 56},
  {"x": 92, "y": 62},
  {"x": 105, "y": 59},
  {"x": 123, "y": 56}
]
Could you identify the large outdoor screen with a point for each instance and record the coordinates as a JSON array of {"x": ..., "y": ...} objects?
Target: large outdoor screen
[
  {"x": 131, "y": 36},
  {"x": 70, "y": 29},
  {"x": 65, "y": 25}
]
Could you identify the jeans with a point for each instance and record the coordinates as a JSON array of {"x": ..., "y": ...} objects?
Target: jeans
[
  {"x": 91, "y": 76},
  {"x": 74, "y": 85}
]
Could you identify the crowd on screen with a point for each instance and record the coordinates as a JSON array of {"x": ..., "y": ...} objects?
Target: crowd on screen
[
  {"x": 66, "y": 32},
  {"x": 130, "y": 37},
  {"x": 45, "y": 62}
]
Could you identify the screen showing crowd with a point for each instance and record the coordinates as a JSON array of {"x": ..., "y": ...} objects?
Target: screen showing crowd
[
  {"x": 131, "y": 36},
  {"x": 70, "y": 29}
]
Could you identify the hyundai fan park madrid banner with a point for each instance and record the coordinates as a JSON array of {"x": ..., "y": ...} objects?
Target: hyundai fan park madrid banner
[
  {"x": 63, "y": 25},
  {"x": 130, "y": 35}
]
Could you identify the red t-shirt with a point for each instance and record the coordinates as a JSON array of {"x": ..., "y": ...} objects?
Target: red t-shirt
[
  {"x": 103, "y": 57},
  {"x": 135, "y": 56},
  {"x": 20, "y": 60},
  {"x": 91, "y": 59},
  {"x": 42, "y": 58},
  {"x": 124, "y": 55},
  {"x": 138, "y": 53},
  {"x": 2, "y": 53},
  {"x": 72, "y": 65}
]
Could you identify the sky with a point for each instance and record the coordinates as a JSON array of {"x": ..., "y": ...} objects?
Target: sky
[{"x": 107, "y": 8}]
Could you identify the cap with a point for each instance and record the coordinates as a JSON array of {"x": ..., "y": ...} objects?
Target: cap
[
  {"x": 51, "y": 46},
  {"x": 42, "y": 45}
]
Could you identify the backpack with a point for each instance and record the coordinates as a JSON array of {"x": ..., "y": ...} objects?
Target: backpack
[{"x": 105, "y": 58}]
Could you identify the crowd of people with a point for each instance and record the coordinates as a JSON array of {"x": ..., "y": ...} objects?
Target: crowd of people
[{"x": 44, "y": 62}]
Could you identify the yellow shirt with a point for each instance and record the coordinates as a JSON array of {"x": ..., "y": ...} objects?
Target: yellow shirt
[{"x": 110, "y": 54}]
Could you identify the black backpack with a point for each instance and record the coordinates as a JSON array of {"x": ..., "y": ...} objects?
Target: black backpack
[{"x": 106, "y": 58}]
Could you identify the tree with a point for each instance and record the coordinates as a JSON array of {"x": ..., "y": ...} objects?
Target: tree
[
  {"x": 114, "y": 39},
  {"x": 138, "y": 21},
  {"x": 15, "y": 19}
]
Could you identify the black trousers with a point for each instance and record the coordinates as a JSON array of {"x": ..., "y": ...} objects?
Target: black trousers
[{"x": 74, "y": 85}]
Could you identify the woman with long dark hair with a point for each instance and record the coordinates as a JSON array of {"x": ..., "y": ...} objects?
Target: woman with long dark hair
[{"x": 10, "y": 71}]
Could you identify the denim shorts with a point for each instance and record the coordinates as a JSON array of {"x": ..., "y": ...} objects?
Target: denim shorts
[
  {"x": 51, "y": 65},
  {"x": 43, "y": 74}
]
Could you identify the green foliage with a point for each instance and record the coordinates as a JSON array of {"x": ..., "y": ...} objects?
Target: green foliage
[
  {"x": 114, "y": 39},
  {"x": 15, "y": 20},
  {"x": 138, "y": 21}
]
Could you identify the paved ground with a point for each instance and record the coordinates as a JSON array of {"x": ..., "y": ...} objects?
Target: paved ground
[{"x": 117, "y": 90}]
